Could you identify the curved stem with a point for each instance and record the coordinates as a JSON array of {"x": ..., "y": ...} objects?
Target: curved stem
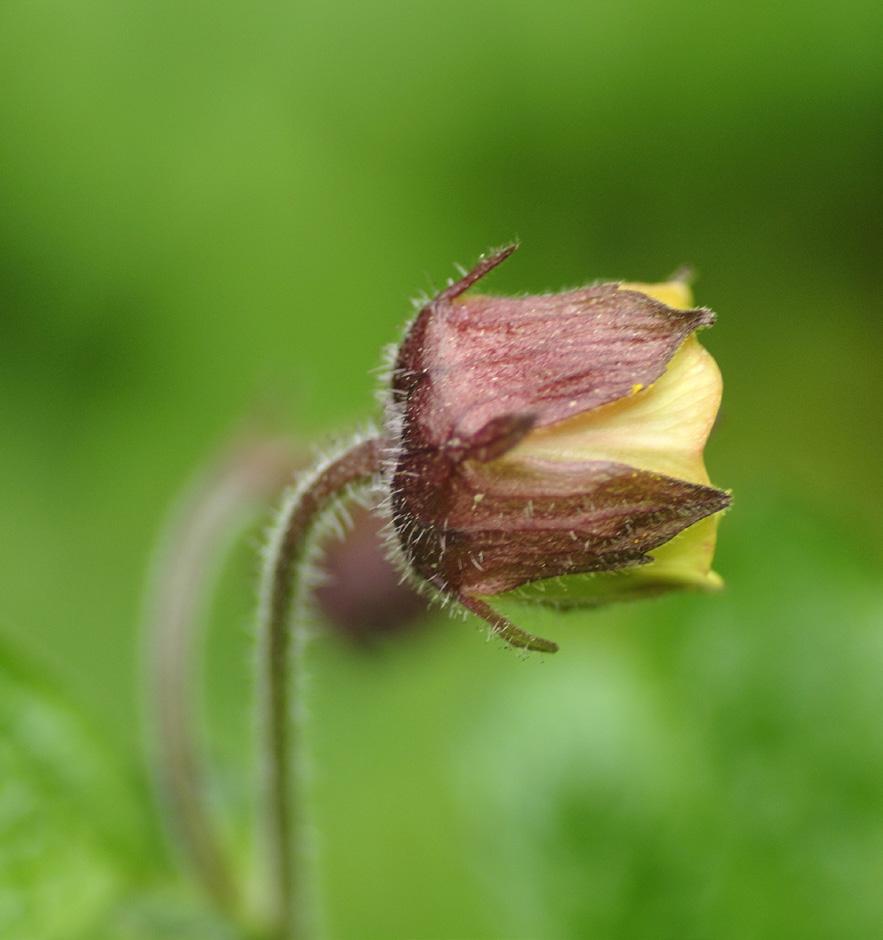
[
  {"x": 203, "y": 525},
  {"x": 281, "y": 587}
]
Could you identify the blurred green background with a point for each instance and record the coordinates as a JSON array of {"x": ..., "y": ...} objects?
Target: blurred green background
[{"x": 206, "y": 207}]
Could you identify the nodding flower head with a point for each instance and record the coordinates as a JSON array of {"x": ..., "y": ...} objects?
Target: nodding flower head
[{"x": 552, "y": 446}]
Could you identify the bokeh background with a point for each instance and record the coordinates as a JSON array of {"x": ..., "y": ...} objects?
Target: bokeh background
[{"x": 212, "y": 209}]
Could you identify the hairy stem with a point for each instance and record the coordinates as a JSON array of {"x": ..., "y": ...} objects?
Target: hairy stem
[
  {"x": 204, "y": 524},
  {"x": 281, "y": 587}
]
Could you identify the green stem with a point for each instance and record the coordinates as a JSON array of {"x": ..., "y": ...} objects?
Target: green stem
[
  {"x": 204, "y": 524},
  {"x": 281, "y": 588}
]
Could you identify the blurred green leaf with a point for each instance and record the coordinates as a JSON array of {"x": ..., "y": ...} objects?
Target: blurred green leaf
[{"x": 75, "y": 826}]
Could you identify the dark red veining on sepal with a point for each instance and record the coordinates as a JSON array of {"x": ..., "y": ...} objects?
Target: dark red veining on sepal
[
  {"x": 546, "y": 518},
  {"x": 469, "y": 360}
]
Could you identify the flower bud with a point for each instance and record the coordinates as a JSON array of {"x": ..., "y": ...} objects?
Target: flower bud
[
  {"x": 361, "y": 595},
  {"x": 552, "y": 445}
]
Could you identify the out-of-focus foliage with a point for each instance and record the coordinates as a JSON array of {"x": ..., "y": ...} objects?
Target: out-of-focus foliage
[
  {"x": 66, "y": 817},
  {"x": 80, "y": 857},
  {"x": 207, "y": 209}
]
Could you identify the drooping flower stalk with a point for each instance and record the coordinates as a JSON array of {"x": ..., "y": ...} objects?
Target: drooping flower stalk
[
  {"x": 282, "y": 589},
  {"x": 203, "y": 525},
  {"x": 206, "y": 520}
]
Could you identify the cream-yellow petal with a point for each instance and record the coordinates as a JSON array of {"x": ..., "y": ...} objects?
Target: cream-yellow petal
[
  {"x": 686, "y": 559},
  {"x": 662, "y": 428}
]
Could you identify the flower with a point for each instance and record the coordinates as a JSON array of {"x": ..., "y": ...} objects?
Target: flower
[{"x": 551, "y": 445}]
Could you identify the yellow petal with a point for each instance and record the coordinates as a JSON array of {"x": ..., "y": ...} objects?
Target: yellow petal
[
  {"x": 662, "y": 428},
  {"x": 686, "y": 560}
]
